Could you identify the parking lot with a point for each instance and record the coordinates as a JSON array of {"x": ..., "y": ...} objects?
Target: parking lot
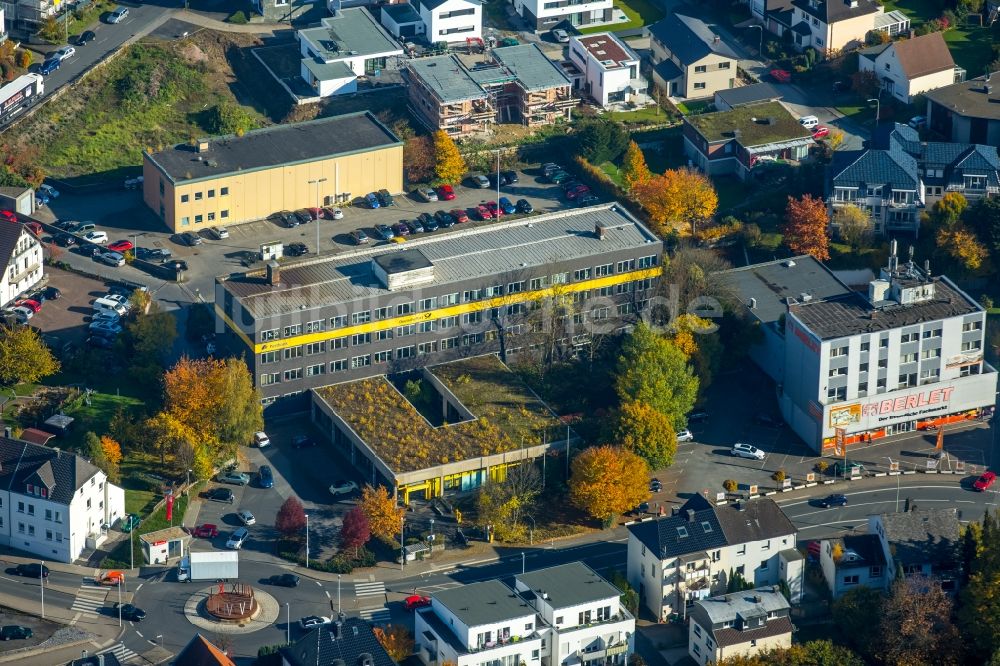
[{"x": 124, "y": 217}]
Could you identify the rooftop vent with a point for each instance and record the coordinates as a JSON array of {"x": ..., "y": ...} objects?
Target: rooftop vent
[
  {"x": 717, "y": 39},
  {"x": 789, "y": 264},
  {"x": 202, "y": 145},
  {"x": 599, "y": 231},
  {"x": 753, "y": 303},
  {"x": 690, "y": 515},
  {"x": 273, "y": 273},
  {"x": 805, "y": 297},
  {"x": 365, "y": 659}
]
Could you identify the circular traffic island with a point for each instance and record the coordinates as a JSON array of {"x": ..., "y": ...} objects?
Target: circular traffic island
[
  {"x": 236, "y": 605},
  {"x": 231, "y": 608}
]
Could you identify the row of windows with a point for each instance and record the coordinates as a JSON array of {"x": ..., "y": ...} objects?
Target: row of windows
[
  {"x": 471, "y": 296},
  {"x": 906, "y": 380},
  {"x": 884, "y": 342},
  {"x": 198, "y": 196},
  {"x": 201, "y": 219}
]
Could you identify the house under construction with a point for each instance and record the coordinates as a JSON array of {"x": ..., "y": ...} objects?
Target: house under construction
[{"x": 510, "y": 84}]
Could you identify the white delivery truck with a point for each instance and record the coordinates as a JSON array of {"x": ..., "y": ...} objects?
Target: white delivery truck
[{"x": 211, "y": 566}]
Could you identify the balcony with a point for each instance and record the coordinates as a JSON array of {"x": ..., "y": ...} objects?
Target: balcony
[
  {"x": 621, "y": 616},
  {"x": 605, "y": 650}
]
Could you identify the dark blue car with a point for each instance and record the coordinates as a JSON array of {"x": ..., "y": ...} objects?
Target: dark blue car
[
  {"x": 506, "y": 206},
  {"x": 265, "y": 476},
  {"x": 49, "y": 66}
]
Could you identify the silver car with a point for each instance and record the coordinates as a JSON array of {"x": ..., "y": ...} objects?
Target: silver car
[
  {"x": 743, "y": 450},
  {"x": 235, "y": 542},
  {"x": 246, "y": 517}
]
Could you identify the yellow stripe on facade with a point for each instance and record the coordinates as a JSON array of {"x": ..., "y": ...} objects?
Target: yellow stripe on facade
[
  {"x": 236, "y": 329},
  {"x": 449, "y": 311}
]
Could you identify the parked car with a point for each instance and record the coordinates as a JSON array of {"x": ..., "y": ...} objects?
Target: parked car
[
  {"x": 494, "y": 209},
  {"x": 588, "y": 199},
  {"x": 234, "y": 477},
  {"x": 246, "y": 517},
  {"x": 343, "y": 487},
  {"x": 65, "y": 53},
  {"x": 781, "y": 75},
  {"x": 359, "y": 237},
  {"x": 85, "y": 38},
  {"x": 49, "y": 66},
  {"x": 133, "y": 613},
  {"x": 428, "y": 221},
  {"x": 221, "y": 495},
  {"x": 524, "y": 206},
  {"x": 8, "y": 216},
  {"x": 685, "y": 436},
  {"x": 303, "y": 216},
  {"x": 118, "y": 15},
  {"x": 152, "y": 254},
  {"x": 821, "y": 132},
  {"x": 445, "y": 193},
  {"x": 296, "y": 249},
  {"x": 768, "y": 421},
  {"x": 105, "y": 328},
  {"x": 206, "y": 531},
  {"x": 219, "y": 232},
  {"x": 506, "y": 206},
  {"x": 100, "y": 342},
  {"x": 30, "y": 303},
  {"x": 414, "y": 226},
  {"x": 460, "y": 215},
  {"x": 833, "y": 500},
  {"x": 550, "y": 167},
  {"x": 14, "y": 632},
  {"x": 444, "y": 219},
  {"x": 510, "y": 177},
  {"x": 303, "y": 442},
  {"x": 577, "y": 192},
  {"x": 287, "y": 219},
  {"x": 283, "y": 580},
  {"x": 497, "y": 179},
  {"x": 842, "y": 85},
  {"x": 560, "y": 36},
  {"x": 385, "y": 198},
  {"x": 697, "y": 417},
  {"x": 415, "y": 601},
  {"x": 918, "y": 122},
  {"x": 809, "y": 122},
  {"x": 371, "y": 200},
  {"x": 98, "y": 237},
  {"x": 178, "y": 265},
  {"x": 426, "y": 194},
  {"x": 848, "y": 468},
  {"x": 52, "y": 293},
  {"x": 743, "y": 450},
  {"x": 190, "y": 238},
  {"x": 130, "y": 522},
  {"x": 260, "y": 439},
  {"x": 984, "y": 481},
  {"x": 560, "y": 177},
  {"x": 312, "y": 621},
  {"x": 384, "y": 232},
  {"x": 480, "y": 181},
  {"x": 64, "y": 240},
  {"x": 238, "y": 538},
  {"x": 133, "y": 183},
  {"x": 113, "y": 259},
  {"x": 484, "y": 212},
  {"x": 400, "y": 229},
  {"x": 32, "y": 570},
  {"x": 121, "y": 246},
  {"x": 265, "y": 477},
  {"x": 655, "y": 486}
]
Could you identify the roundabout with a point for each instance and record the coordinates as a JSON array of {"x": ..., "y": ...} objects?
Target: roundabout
[{"x": 231, "y": 608}]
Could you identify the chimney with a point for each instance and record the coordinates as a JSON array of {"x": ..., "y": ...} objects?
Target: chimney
[
  {"x": 674, "y": 510},
  {"x": 690, "y": 515},
  {"x": 273, "y": 273},
  {"x": 599, "y": 231},
  {"x": 100, "y": 660},
  {"x": 927, "y": 268},
  {"x": 338, "y": 629},
  {"x": 7, "y": 432},
  {"x": 202, "y": 145},
  {"x": 717, "y": 39},
  {"x": 58, "y": 452}
]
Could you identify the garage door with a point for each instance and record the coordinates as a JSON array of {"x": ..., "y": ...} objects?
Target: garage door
[{"x": 408, "y": 31}]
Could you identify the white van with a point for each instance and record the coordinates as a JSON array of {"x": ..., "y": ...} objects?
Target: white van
[
  {"x": 809, "y": 122},
  {"x": 109, "y": 305}
]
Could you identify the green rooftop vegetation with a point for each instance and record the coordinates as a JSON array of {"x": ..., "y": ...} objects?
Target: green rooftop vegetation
[
  {"x": 758, "y": 124},
  {"x": 508, "y": 416}
]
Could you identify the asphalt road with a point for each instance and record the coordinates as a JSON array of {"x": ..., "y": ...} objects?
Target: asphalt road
[{"x": 108, "y": 38}]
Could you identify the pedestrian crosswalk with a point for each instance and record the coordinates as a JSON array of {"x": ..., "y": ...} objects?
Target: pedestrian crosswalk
[
  {"x": 125, "y": 655},
  {"x": 379, "y": 615},
  {"x": 365, "y": 589},
  {"x": 89, "y": 599}
]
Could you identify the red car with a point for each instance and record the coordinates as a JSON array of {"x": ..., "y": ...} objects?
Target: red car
[
  {"x": 821, "y": 131},
  {"x": 446, "y": 193},
  {"x": 494, "y": 209},
  {"x": 206, "y": 531},
  {"x": 7, "y": 215},
  {"x": 781, "y": 76},
  {"x": 577, "y": 191},
  {"x": 985, "y": 481},
  {"x": 416, "y": 601},
  {"x": 121, "y": 246},
  {"x": 484, "y": 212},
  {"x": 30, "y": 303},
  {"x": 460, "y": 215},
  {"x": 315, "y": 213}
]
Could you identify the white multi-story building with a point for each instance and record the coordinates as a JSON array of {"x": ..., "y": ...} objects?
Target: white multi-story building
[
  {"x": 451, "y": 20},
  {"x": 739, "y": 624},
  {"x": 21, "y": 256},
  {"x": 610, "y": 69},
  {"x": 543, "y": 15},
  {"x": 553, "y": 617},
  {"x": 693, "y": 554},
  {"x": 52, "y": 503},
  {"x": 907, "y": 355}
]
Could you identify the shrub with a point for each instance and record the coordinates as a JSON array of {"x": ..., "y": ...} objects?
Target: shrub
[
  {"x": 779, "y": 476},
  {"x": 822, "y": 466},
  {"x": 730, "y": 485},
  {"x": 239, "y": 18}
]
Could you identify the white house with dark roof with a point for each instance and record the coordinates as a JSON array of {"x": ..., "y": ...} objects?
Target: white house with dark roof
[
  {"x": 21, "y": 257},
  {"x": 852, "y": 561},
  {"x": 348, "y": 45},
  {"x": 676, "y": 560},
  {"x": 53, "y": 503},
  {"x": 908, "y": 67},
  {"x": 610, "y": 69},
  {"x": 739, "y": 624}
]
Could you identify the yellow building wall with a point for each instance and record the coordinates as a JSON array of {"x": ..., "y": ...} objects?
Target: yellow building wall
[
  {"x": 850, "y": 32},
  {"x": 255, "y": 195}
]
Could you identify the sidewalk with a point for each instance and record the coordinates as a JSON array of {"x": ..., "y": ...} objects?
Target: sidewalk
[{"x": 189, "y": 16}]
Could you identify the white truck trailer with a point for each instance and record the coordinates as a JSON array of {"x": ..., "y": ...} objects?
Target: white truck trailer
[{"x": 211, "y": 566}]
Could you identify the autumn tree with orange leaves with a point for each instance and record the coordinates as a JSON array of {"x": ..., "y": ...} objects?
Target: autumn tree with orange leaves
[
  {"x": 634, "y": 169},
  {"x": 396, "y": 640},
  {"x": 606, "y": 481},
  {"x": 382, "y": 512},
  {"x": 806, "y": 227},
  {"x": 678, "y": 198}
]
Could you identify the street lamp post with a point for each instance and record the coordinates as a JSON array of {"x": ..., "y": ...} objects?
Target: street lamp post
[
  {"x": 760, "y": 47},
  {"x": 120, "y": 601},
  {"x": 338, "y": 594},
  {"x": 498, "y": 179},
  {"x": 531, "y": 531},
  {"x": 187, "y": 486},
  {"x": 522, "y": 562},
  {"x": 878, "y": 106},
  {"x": 402, "y": 544},
  {"x": 131, "y": 551},
  {"x": 316, "y": 183},
  {"x": 307, "y": 541},
  {"x": 41, "y": 584},
  {"x": 288, "y": 624}
]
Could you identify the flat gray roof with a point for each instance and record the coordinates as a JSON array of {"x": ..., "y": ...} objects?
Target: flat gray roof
[
  {"x": 447, "y": 78},
  {"x": 532, "y": 67},
  {"x": 969, "y": 98},
  {"x": 402, "y": 13},
  {"x": 770, "y": 284},
  {"x": 725, "y": 607},
  {"x": 568, "y": 585},
  {"x": 351, "y": 33},
  {"x": 328, "y": 71},
  {"x": 515, "y": 246},
  {"x": 482, "y": 603},
  {"x": 275, "y": 146}
]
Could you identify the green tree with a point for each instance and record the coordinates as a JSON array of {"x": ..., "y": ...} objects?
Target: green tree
[
  {"x": 629, "y": 597},
  {"x": 95, "y": 451},
  {"x": 201, "y": 465},
  {"x": 948, "y": 210},
  {"x": 505, "y": 504},
  {"x": 24, "y": 356},
  {"x": 449, "y": 165},
  {"x": 652, "y": 370},
  {"x": 150, "y": 336},
  {"x": 856, "y": 616},
  {"x": 601, "y": 140},
  {"x": 854, "y": 225},
  {"x": 979, "y": 611},
  {"x": 647, "y": 433},
  {"x": 230, "y": 118}
]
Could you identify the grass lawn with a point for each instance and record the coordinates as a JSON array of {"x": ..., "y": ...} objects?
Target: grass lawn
[
  {"x": 96, "y": 416},
  {"x": 119, "y": 557},
  {"x": 649, "y": 114},
  {"x": 970, "y": 47},
  {"x": 611, "y": 171},
  {"x": 639, "y": 13},
  {"x": 690, "y": 108}
]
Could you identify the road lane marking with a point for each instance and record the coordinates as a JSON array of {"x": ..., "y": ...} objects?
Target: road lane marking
[{"x": 870, "y": 491}]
